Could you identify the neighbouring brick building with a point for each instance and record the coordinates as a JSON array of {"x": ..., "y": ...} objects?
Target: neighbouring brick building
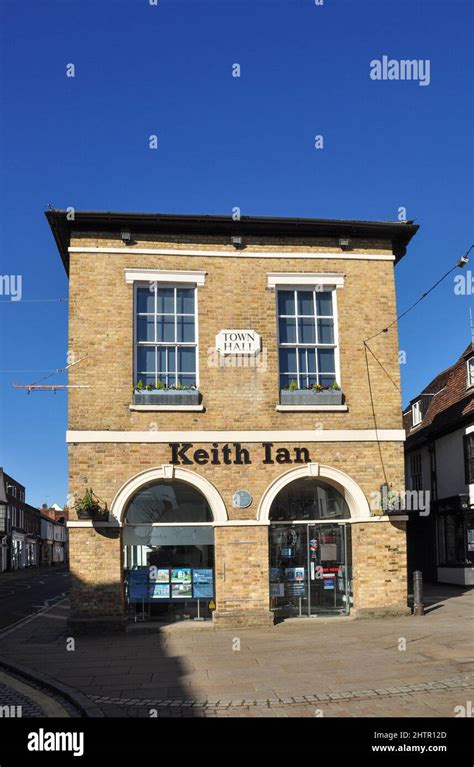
[
  {"x": 20, "y": 533},
  {"x": 439, "y": 424},
  {"x": 221, "y": 410}
]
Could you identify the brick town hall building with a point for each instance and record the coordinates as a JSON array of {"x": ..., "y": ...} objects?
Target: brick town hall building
[{"x": 221, "y": 410}]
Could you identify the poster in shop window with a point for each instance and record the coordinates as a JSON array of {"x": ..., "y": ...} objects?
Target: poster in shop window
[
  {"x": 159, "y": 591},
  {"x": 181, "y": 585},
  {"x": 295, "y": 577},
  {"x": 203, "y": 584},
  {"x": 159, "y": 574},
  {"x": 138, "y": 584}
]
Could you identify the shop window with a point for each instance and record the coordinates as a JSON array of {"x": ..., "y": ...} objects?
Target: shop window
[
  {"x": 308, "y": 499},
  {"x": 456, "y": 539},
  {"x": 469, "y": 457},
  {"x": 307, "y": 338},
  {"x": 168, "y": 541},
  {"x": 166, "y": 346}
]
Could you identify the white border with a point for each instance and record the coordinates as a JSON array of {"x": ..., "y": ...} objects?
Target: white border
[
  {"x": 131, "y": 486},
  {"x": 353, "y": 495},
  {"x": 237, "y": 254},
  {"x": 312, "y": 408},
  {"x": 168, "y": 408},
  {"x": 165, "y": 275},
  {"x": 321, "y": 435},
  {"x": 295, "y": 279}
]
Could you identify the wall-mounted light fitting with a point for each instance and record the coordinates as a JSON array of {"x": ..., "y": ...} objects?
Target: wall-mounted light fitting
[
  {"x": 344, "y": 243},
  {"x": 237, "y": 243}
]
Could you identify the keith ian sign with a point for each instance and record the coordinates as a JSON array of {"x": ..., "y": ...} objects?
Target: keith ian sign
[{"x": 236, "y": 341}]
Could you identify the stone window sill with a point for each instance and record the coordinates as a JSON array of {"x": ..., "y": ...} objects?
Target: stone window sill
[
  {"x": 312, "y": 408},
  {"x": 168, "y": 408}
]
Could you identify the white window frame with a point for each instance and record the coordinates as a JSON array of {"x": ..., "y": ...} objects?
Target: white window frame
[
  {"x": 195, "y": 344},
  {"x": 416, "y": 414},
  {"x": 315, "y": 288},
  {"x": 470, "y": 372}
]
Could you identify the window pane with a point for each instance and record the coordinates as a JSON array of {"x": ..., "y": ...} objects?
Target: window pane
[
  {"x": 186, "y": 360},
  {"x": 186, "y": 329},
  {"x": 326, "y": 379},
  {"x": 286, "y": 379},
  {"x": 286, "y": 302},
  {"x": 145, "y": 300},
  {"x": 288, "y": 360},
  {"x": 146, "y": 359},
  {"x": 185, "y": 300},
  {"x": 165, "y": 300},
  {"x": 287, "y": 331},
  {"x": 305, "y": 302},
  {"x": 165, "y": 328},
  {"x": 325, "y": 331},
  {"x": 326, "y": 361},
  {"x": 167, "y": 379},
  {"x": 147, "y": 380},
  {"x": 171, "y": 359},
  {"x": 324, "y": 303},
  {"x": 306, "y": 331},
  {"x": 166, "y": 359},
  {"x": 187, "y": 379},
  {"x": 307, "y": 359},
  {"x": 146, "y": 328}
]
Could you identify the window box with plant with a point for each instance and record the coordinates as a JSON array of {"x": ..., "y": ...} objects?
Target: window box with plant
[
  {"x": 314, "y": 395},
  {"x": 159, "y": 394},
  {"x": 89, "y": 507}
]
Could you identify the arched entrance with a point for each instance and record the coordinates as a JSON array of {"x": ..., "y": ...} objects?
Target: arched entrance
[
  {"x": 168, "y": 544},
  {"x": 309, "y": 541}
]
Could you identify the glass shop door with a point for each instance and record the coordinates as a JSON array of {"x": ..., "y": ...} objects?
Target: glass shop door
[{"x": 328, "y": 569}]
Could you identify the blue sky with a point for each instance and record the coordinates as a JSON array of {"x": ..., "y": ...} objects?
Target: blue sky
[{"x": 224, "y": 142}]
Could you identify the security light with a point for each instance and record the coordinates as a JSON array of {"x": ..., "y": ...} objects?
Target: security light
[
  {"x": 125, "y": 235},
  {"x": 344, "y": 243},
  {"x": 237, "y": 243}
]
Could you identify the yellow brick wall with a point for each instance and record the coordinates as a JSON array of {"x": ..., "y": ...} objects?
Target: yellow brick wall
[
  {"x": 242, "y": 573},
  {"x": 379, "y": 566},
  {"x": 106, "y": 467},
  {"x": 235, "y": 295},
  {"x": 95, "y": 563}
]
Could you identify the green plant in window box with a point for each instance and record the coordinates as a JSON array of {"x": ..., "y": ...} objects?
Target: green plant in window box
[
  {"x": 89, "y": 507},
  {"x": 316, "y": 394},
  {"x": 160, "y": 394}
]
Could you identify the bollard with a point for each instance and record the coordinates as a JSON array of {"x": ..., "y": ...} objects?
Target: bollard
[{"x": 418, "y": 606}]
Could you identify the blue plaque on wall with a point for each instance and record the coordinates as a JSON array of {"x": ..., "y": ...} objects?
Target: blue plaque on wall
[{"x": 242, "y": 499}]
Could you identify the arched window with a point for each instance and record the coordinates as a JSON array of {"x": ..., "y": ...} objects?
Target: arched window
[
  {"x": 308, "y": 499},
  {"x": 167, "y": 503}
]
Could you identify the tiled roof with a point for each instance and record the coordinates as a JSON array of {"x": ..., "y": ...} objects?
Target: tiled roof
[{"x": 449, "y": 402}]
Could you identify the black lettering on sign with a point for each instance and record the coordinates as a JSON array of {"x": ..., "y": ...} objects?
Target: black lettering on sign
[{"x": 234, "y": 454}]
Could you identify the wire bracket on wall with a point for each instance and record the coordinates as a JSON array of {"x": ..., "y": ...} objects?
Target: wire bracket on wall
[{"x": 49, "y": 387}]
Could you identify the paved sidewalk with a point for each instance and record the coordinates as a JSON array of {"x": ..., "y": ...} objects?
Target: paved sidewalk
[
  {"x": 20, "y": 698},
  {"x": 403, "y": 666}
]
